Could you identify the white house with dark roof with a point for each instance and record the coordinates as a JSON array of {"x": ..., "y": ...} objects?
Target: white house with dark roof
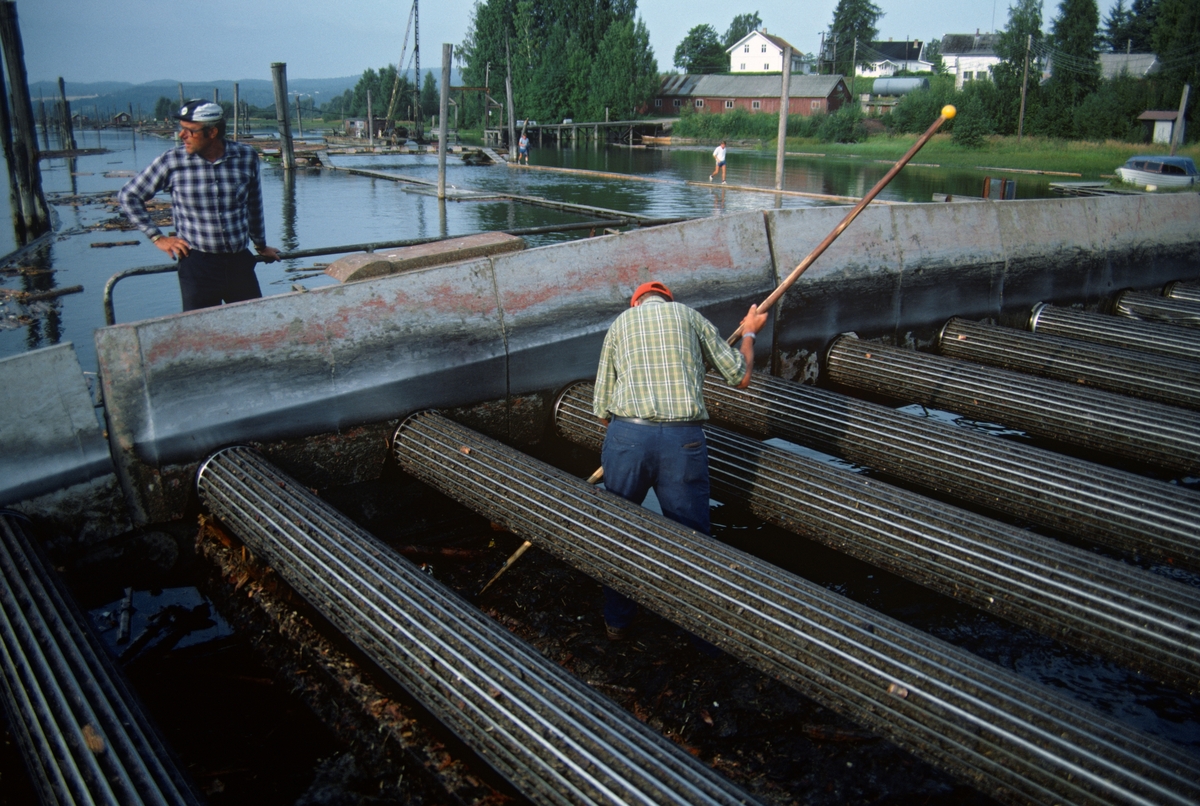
[
  {"x": 761, "y": 52},
  {"x": 884, "y": 59},
  {"x": 807, "y": 94},
  {"x": 970, "y": 57}
]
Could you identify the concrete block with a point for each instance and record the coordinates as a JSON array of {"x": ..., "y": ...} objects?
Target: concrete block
[{"x": 391, "y": 261}]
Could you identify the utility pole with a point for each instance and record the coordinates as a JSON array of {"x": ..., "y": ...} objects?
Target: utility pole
[
  {"x": 1177, "y": 129},
  {"x": 821, "y": 56},
  {"x": 854, "y": 66},
  {"x": 417, "y": 77},
  {"x": 784, "y": 108},
  {"x": 443, "y": 109},
  {"x": 512, "y": 130},
  {"x": 1024, "y": 82},
  {"x": 236, "y": 110}
]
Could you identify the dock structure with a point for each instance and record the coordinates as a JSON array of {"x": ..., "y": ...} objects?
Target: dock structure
[{"x": 629, "y": 132}]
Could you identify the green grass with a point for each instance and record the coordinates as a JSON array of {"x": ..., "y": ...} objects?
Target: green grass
[{"x": 1092, "y": 160}]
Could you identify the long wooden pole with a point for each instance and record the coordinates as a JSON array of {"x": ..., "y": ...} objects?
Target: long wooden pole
[
  {"x": 785, "y": 95},
  {"x": 34, "y": 212},
  {"x": 948, "y": 112}
]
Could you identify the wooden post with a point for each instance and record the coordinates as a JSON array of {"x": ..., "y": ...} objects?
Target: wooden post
[
  {"x": 279, "y": 77},
  {"x": 216, "y": 96},
  {"x": 236, "y": 110},
  {"x": 785, "y": 103},
  {"x": 68, "y": 128},
  {"x": 1177, "y": 129},
  {"x": 370, "y": 122},
  {"x": 35, "y": 215},
  {"x": 512, "y": 124},
  {"x": 299, "y": 121},
  {"x": 1024, "y": 81},
  {"x": 443, "y": 128},
  {"x": 181, "y": 101},
  {"x": 6, "y": 140}
]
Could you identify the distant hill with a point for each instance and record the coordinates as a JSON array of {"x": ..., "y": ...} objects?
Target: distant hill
[{"x": 111, "y": 97}]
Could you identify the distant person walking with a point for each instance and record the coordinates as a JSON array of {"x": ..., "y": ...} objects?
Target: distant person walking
[
  {"x": 719, "y": 156},
  {"x": 523, "y": 149},
  {"x": 216, "y": 205}
]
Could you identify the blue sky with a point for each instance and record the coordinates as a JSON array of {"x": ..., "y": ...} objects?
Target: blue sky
[{"x": 144, "y": 40}]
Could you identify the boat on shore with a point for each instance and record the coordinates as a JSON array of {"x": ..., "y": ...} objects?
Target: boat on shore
[
  {"x": 1159, "y": 171},
  {"x": 323, "y": 384}
]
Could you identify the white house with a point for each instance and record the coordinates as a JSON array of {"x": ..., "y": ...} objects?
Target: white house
[
  {"x": 761, "y": 52},
  {"x": 970, "y": 57},
  {"x": 885, "y": 59}
]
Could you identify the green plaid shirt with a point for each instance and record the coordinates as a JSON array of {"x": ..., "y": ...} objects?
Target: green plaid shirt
[{"x": 652, "y": 364}]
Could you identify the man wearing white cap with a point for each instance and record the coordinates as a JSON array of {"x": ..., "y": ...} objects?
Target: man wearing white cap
[{"x": 216, "y": 206}]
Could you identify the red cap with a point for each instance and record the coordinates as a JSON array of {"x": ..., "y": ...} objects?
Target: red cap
[{"x": 652, "y": 287}]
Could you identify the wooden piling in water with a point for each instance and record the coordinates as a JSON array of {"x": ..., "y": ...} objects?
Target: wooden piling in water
[
  {"x": 68, "y": 129},
  {"x": 287, "y": 157},
  {"x": 34, "y": 216}
]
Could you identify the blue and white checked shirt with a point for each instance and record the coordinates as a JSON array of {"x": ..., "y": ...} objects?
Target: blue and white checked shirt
[{"x": 216, "y": 206}]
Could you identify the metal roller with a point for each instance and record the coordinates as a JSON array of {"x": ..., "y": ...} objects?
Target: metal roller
[
  {"x": 1153, "y": 308},
  {"x": 1116, "y": 331},
  {"x": 1143, "y": 621},
  {"x": 1094, "y": 502},
  {"x": 555, "y": 739},
  {"x": 1124, "y": 428},
  {"x": 81, "y": 731},
  {"x": 1014, "y": 739},
  {"x": 1185, "y": 292},
  {"x": 1170, "y": 381}
]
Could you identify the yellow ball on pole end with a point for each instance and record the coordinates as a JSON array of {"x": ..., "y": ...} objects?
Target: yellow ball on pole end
[{"x": 948, "y": 111}]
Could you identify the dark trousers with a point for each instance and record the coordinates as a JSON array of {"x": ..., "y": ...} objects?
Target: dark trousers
[
  {"x": 671, "y": 459},
  {"x": 211, "y": 278}
]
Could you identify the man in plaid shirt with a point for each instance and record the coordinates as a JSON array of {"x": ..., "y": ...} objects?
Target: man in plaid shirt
[
  {"x": 649, "y": 389},
  {"x": 216, "y": 204}
]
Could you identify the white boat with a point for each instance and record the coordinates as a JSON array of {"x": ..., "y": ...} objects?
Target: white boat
[{"x": 1150, "y": 171}]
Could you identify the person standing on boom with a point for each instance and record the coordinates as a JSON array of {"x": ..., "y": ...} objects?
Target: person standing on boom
[{"x": 719, "y": 156}]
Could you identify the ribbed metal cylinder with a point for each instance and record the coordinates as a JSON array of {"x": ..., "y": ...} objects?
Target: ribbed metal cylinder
[
  {"x": 1136, "y": 618},
  {"x": 556, "y": 740},
  {"x": 81, "y": 731},
  {"x": 1018, "y": 741},
  {"x": 1155, "y": 308},
  {"x": 1116, "y": 331},
  {"x": 1098, "y": 503},
  {"x": 1123, "y": 428},
  {"x": 1170, "y": 381},
  {"x": 1185, "y": 292}
]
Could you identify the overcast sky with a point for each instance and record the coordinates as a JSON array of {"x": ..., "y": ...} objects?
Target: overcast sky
[{"x": 144, "y": 40}]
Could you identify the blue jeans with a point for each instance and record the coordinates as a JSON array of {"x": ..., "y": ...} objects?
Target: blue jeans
[
  {"x": 672, "y": 459},
  {"x": 210, "y": 278}
]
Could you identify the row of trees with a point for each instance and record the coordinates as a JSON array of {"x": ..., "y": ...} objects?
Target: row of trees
[{"x": 570, "y": 59}]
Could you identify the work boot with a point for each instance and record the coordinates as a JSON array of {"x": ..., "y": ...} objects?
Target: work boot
[{"x": 616, "y": 633}]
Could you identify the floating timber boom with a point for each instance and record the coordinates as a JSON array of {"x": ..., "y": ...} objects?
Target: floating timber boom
[
  {"x": 1171, "y": 381},
  {"x": 555, "y": 739},
  {"x": 1138, "y": 619},
  {"x": 1091, "y": 501},
  {"x": 1116, "y": 331},
  {"x": 1122, "y": 427},
  {"x": 1017, "y": 740},
  {"x": 81, "y": 731}
]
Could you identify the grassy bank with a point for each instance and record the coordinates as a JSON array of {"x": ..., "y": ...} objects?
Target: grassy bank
[{"x": 1092, "y": 160}]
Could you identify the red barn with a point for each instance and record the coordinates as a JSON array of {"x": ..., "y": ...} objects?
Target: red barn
[{"x": 807, "y": 95}]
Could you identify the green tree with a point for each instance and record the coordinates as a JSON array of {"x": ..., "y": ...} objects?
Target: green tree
[
  {"x": 1176, "y": 40},
  {"x": 973, "y": 123},
  {"x": 933, "y": 55},
  {"x": 1141, "y": 27},
  {"x": 1024, "y": 31},
  {"x": 843, "y": 126},
  {"x": 1118, "y": 27},
  {"x": 431, "y": 99},
  {"x": 625, "y": 74},
  {"x": 852, "y": 19},
  {"x": 163, "y": 108},
  {"x": 701, "y": 52},
  {"x": 742, "y": 24},
  {"x": 1074, "y": 36}
]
